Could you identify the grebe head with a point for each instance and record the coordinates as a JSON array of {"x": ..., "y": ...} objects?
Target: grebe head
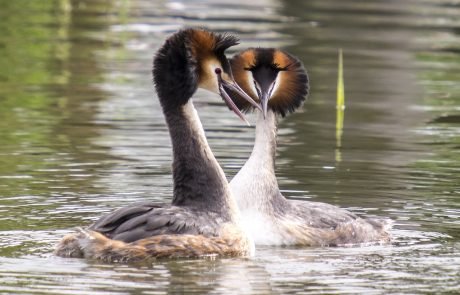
[
  {"x": 274, "y": 78},
  {"x": 191, "y": 59}
]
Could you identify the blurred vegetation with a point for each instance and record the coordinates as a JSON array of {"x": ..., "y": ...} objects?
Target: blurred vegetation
[
  {"x": 340, "y": 106},
  {"x": 45, "y": 58}
]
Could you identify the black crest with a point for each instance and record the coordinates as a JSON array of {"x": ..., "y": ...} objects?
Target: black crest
[
  {"x": 174, "y": 71},
  {"x": 224, "y": 41}
]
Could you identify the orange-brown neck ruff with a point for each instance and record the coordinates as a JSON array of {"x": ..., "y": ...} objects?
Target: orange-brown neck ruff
[
  {"x": 291, "y": 82},
  {"x": 201, "y": 43},
  {"x": 208, "y": 49},
  {"x": 239, "y": 63}
]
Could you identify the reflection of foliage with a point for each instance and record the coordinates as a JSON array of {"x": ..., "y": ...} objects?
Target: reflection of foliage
[
  {"x": 41, "y": 78},
  {"x": 27, "y": 45},
  {"x": 439, "y": 173},
  {"x": 441, "y": 80},
  {"x": 442, "y": 95},
  {"x": 31, "y": 34}
]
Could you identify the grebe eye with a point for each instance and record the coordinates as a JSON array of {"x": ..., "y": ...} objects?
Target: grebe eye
[{"x": 218, "y": 71}]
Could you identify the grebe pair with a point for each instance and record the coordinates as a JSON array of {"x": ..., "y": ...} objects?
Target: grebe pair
[{"x": 203, "y": 218}]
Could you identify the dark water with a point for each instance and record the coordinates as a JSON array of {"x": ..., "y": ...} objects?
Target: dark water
[{"x": 81, "y": 133}]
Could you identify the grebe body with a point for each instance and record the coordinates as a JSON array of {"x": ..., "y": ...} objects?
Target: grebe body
[
  {"x": 279, "y": 82},
  {"x": 203, "y": 217}
]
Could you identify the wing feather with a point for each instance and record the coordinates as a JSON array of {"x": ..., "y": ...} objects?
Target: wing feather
[{"x": 148, "y": 219}]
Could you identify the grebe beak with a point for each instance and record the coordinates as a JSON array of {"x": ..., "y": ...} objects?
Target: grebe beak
[
  {"x": 264, "y": 97},
  {"x": 233, "y": 86}
]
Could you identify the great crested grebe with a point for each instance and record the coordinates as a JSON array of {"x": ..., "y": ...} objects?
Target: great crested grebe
[
  {"x": 279, "y": 82},
  {"x": 203, "y": 218}
]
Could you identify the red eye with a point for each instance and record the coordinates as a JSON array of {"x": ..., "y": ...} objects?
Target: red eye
[{"x": 218, "y": 71}]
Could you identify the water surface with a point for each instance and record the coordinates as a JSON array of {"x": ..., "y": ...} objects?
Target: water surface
[{"x": 82, "y": 133}]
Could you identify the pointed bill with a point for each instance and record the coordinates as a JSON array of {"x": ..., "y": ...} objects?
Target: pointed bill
[
  {"x": 232, "y": 105},
  {"x": 223, "y": 84}
]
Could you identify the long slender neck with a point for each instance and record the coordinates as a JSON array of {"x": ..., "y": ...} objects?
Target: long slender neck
[
  {"x": 199, "y": 181},
  {"x": 255, "y": 185}
]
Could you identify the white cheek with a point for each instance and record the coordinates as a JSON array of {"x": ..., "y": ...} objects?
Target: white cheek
[
  {"x": 250, "y": 78},
  {"x": 209, "y": 81},
  {"x": 276, "y": 84}
]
